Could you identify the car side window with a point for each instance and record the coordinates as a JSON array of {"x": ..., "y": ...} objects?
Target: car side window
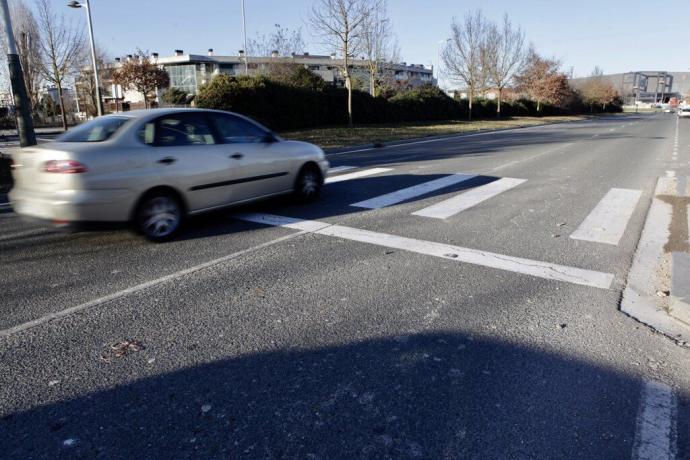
[
  {"x": 183, "y": 129},
  {"x": 237, "y": 130}
]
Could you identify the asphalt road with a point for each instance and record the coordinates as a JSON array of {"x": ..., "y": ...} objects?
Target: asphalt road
[{"x": 355, "y": 332}]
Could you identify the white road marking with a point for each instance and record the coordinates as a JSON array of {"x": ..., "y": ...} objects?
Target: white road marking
[
  {"x": 410, "y": 192},
  {"x": 448, "y": 252},
  {"x": 338, "y": 169},
  {"x": 355, "y": 175},
  {"x": 670, "y": 174},
  {"x": 140, "y": 287},
  {"x": 468, "y": 199},
  {"x": 655, "y": 433},
  {"x": 607, "y": 222}
]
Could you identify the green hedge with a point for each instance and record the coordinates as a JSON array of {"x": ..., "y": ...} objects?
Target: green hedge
[{"x": 284, "y": 106}]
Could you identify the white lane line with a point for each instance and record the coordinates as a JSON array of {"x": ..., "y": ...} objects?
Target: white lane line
[
  {"x": 355, "y": 175},
  {"x": 608, "y": 220},
  {"x": 468, "y": 199},
  {"x": 338, "y": 169},
  {"x": 449, "y": 252},
  {"x": 655, "y": 433},
  {"x": 410, "y": 192},
  {"x": 140, "y": 287}
]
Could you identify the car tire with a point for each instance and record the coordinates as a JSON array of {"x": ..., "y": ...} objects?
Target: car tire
[
  {"x": 308, "y": 184},
  {"x": 159, "y": 216}
]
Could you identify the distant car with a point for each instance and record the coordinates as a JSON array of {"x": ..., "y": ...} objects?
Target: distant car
[
  {"x": 669, "y": 110},
  {"x": 155, "y": 167},
  {"x": 684, "y": 112}
]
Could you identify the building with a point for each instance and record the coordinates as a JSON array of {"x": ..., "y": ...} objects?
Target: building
[
  {"x": 189, "y": 71},
  {"x": 646, "y": 87}
]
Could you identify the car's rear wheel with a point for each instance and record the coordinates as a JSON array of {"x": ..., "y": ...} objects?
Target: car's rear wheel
[
  {"x": 308, "y": 183},
  {"x": 159, "y": 216}
]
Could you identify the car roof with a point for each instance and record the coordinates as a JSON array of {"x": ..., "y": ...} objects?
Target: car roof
[{"x": 140, "y": 113}]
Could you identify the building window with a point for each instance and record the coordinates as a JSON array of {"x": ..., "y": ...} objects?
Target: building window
[{"x": 183, "y": 77}]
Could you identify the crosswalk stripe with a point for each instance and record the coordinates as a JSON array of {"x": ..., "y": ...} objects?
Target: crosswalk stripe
[
  {"x": 655, "y": 433},
  {"x": 338, "y": 169},
  {"x": 355, "y": 175},
  {"x": 410, "y": 192},
  {"x": 535, "y": 268},
  {"x": 466, "y": 200},
  {"x": 608, "y": 220}
]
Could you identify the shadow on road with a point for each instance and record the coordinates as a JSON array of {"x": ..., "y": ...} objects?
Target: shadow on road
[{"x": 436, "y": 395}]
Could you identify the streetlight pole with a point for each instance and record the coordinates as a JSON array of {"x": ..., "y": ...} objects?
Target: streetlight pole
[
  {"x": 25, "y": 125},
  {"x": 75, "y": 4},
  {"x": 244, "y": 32}
]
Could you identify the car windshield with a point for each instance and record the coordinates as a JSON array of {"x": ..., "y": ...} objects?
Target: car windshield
[{"x": 96, "y": 130}]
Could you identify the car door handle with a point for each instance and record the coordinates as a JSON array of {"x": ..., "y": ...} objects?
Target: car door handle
[
  {"x": 236, "y": 156},
  {"x": 167, "y": 160}
]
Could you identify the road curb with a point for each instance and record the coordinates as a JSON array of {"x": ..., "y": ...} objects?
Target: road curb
[
  {"x": 644, "y": 297},
  {"x": 680, "y": 287}
]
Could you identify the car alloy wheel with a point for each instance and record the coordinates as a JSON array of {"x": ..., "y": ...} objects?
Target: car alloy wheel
[
  {"x": 159, "y": 217},
  {"x": 308, "y": 184}
]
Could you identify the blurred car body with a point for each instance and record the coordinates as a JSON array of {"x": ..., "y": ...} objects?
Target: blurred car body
[{"x": 155, "y": 167}]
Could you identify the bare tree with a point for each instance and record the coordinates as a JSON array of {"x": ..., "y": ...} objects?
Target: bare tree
[
  {"x": 283, "y": 41},
  {"x": 377, "y": 42},
  {"x": 85, "y": 84},
  {"x": 340, "y": 24},
  {"x": 62, "y": 44},
  {"x": 505, "y": 52},
  {"x": 464, "y": 54}
]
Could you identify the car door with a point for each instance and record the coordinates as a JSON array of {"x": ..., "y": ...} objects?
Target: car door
[
  {"x": 260, "y": 166},
  {"x": 189, "y": 157}
]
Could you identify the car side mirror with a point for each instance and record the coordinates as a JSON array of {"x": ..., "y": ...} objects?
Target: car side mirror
[{"x": 270, "y": 138}]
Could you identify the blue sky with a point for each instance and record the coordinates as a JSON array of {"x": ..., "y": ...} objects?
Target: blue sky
[{"x": 616, "y": 35}]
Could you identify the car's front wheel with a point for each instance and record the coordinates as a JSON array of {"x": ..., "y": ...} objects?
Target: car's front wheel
[
  {"x": 159, "y": 216},
  {"x": 308, "y": 183}
]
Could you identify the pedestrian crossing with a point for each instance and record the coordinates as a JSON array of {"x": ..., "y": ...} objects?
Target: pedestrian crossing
[
  {"x": 471, "y": 198},
  {"x": 415, "y": 191},
  {"x": 608, "y": 220},
  {"x": 605, "y": 224}
]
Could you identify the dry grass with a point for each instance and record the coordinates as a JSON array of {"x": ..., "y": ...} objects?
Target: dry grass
[{"x": 338, "y": 136}]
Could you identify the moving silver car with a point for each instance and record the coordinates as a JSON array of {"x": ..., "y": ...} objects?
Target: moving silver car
[{"x": 155, "y": 167}]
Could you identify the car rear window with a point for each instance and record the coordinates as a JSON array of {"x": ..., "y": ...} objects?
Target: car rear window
[{"x": 96, "y": 130}]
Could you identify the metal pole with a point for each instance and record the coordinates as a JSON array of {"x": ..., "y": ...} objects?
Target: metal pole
[
  {"x": 25, "y": 125},
  {"x": 93, "y": 59},
  {"x": 244, "y": 32}
]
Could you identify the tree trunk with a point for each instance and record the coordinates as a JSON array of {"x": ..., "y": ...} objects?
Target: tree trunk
[
  {"x": 146, "y": 105},
  {"x": 538, "y": 105},
  {"x": 372, "y": 83},
  {"x": 348, "y": 84},
  {"x": 62, "y": 107},
  {"x": 498, "y": 107},
  {"x": 469, "y": 112}
]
